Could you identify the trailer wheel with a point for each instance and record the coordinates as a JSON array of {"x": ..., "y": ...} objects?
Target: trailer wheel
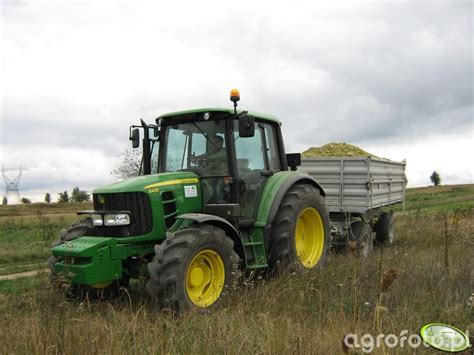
[
  {"x": 103, "y": 290},
  {"x": 194, "y": 268},
  {"x": 384, "y": 228},
  {"x": 300, "y": 232},
  {"x": 360, "y": 238}
]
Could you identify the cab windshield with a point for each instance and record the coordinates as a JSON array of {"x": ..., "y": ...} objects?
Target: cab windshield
[{"x": 196, "y": 146}]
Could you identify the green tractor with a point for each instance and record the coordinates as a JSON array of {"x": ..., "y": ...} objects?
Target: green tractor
[{"x": 217, "y": 196}]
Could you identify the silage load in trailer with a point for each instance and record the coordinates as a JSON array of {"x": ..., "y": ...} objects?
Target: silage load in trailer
[{"x": 336, "y": 150}]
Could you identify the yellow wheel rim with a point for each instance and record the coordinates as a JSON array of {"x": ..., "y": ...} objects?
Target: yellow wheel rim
[
  {"x": 102, "y": 285},
  {"x": 205, "y": 278},
  {"x": 309, "y": 237}
]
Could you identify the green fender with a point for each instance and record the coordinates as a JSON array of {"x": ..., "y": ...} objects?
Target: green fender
[
  {"x": 220, "y": 222},
  {"x": 275, "y": 189}
]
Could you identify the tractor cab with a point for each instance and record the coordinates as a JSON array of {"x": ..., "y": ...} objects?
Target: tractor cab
[{"x": 232, "y": 152}]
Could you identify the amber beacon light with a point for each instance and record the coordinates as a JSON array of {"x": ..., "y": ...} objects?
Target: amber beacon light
[{"x": 234, "y": 95}]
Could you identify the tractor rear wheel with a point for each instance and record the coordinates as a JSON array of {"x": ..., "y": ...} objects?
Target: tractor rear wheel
[
  {"x": 102, "y": 290},
  {"x": 193, "y": 268},
  {"x": 384, "y": 229},
  {"x": 300, "y": 232},
  {"x": 360, "y": 239}
]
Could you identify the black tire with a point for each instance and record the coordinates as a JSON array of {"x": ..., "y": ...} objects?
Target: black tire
[
  {"x": 77, "y": 230},
  {"x": 384, "y": 232},
  {"x": 170, "y": 283},
  {"x": 283, "y": 255},
  {"x": 360, "y": 239}
]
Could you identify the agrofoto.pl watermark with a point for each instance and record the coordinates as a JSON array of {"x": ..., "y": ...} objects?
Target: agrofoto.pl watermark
[{"x": 439, "y": 336}]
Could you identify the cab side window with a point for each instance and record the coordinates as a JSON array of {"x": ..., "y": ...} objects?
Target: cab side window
[
  {"x": 272, "y": 148},
  {"x": 249, "y": 151}
]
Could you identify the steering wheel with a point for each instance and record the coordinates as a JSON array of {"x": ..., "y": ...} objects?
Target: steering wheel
[{"x": 199, "y": 162}]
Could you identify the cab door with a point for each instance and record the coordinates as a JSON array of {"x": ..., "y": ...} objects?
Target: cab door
[{"x": 257, "y": 159}]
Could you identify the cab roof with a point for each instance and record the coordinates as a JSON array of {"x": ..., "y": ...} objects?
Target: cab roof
[{"x": 262, "y": 116}]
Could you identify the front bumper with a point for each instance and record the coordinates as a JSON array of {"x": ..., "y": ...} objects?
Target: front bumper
[{"x": 88, "y": 260}]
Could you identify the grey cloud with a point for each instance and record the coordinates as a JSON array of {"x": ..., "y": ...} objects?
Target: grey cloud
[{"x": 357, "y": 72}]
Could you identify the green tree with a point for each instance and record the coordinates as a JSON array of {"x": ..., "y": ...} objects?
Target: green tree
[
  {"x": 435, "y": 178},
  {"x": 63, "y": 197},
  {"x": 79, "y": 195},
  {"x": 47, "y": 198},
  {"x": 25, "y": 200},
  {"x": 5, "y": 200}
]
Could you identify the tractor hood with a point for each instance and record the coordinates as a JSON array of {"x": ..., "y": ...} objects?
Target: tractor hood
[
  {"x": 154, "y": 202},
  {"x": 148, "y": 183}
]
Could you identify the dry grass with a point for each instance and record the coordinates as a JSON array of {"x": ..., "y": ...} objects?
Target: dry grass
[{"x": 307, "y": 313}]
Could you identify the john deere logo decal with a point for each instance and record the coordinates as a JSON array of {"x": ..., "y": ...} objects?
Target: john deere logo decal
[{"x": 444, "y": 337}]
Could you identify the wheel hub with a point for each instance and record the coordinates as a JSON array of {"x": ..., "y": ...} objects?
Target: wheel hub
[{"x": 196, "y": 277}]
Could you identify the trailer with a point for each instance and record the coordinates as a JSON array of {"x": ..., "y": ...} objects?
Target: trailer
[{"x": 357, "y": 188}]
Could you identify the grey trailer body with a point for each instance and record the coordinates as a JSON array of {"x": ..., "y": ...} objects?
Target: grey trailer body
[
  {"x": 356, "y": 188},
  {"x": 357, "y": 185}
]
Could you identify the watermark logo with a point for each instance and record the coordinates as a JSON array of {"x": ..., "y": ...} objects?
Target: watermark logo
[
  {"x": 439, "y": 336},
  {"x": 445, "y": 337},
  {"x": 367, "y": 342}
]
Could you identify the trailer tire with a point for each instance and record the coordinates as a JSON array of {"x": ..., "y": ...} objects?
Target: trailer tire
[
  {"x": 194, "y": 268},
  {"x": 300, "y": 231},
  {"x": 361, "y": 241},
  {"x": 73, "y": 290},
  {"x": 384, "y": 229}
]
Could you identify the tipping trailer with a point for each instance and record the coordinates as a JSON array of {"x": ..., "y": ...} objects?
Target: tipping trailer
[{"x": 356, "y": 190}]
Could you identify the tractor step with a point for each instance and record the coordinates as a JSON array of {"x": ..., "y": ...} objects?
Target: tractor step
[
  {"x": 255, "y": 249},
  {"x": 252, "y": 243}
]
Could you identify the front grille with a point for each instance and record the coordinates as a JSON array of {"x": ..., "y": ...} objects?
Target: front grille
[
  {"x": 137, "y": 203},
  {"x": 169, "y": 208}
]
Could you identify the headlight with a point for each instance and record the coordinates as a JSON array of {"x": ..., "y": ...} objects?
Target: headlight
[
  {"x": 117, "y": 219},
  {"x": 111, "y": 219},
  {"x": 97, "y": 220}
]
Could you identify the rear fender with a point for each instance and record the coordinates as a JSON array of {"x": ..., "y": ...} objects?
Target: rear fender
[{"x": 275, "y": 189}]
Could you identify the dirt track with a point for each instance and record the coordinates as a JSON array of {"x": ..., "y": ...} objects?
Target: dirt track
[{"x": 21, "y": 274}]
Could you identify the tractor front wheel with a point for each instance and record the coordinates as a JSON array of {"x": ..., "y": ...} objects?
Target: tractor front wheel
[
  {"x": 300, "y": 232},
  {"x": 193, "y": 268}
]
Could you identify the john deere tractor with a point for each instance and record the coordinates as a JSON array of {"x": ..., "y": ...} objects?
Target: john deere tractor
[{"x": 217, "y": 196}]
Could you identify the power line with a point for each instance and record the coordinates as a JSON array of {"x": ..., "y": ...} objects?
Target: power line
[{"x": 12, "y": 183}]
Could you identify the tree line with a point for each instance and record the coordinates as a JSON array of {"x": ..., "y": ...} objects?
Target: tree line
[{"x": 77, "y": 195}]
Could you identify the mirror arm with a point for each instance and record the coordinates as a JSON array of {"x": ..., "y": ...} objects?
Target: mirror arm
[{"x": 146, "y": 149}]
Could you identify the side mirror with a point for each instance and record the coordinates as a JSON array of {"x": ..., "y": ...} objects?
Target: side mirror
[
  {"x": 135, "y": 138},
  {"x": 293, "y": 160},
  {"x": 246, "y": 126}
]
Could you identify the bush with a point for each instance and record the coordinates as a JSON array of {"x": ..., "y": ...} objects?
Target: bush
[
  {"x": 435, "y": 178},
  {"x": 79, "y": 195},
  {"x": 63, "y": 197}
]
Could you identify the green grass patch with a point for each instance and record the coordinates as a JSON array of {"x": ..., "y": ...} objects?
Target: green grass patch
[
  {"x": 438, "y": 198},
  {"x": 21, "y": 286},
  {"x": 15, "y": 268},
  {"x": 27, "y": 239}
]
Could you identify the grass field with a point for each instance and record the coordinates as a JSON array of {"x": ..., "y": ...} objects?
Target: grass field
[
  {"x": 27, "y": 231},
  {"x": 433, "y": 255}
]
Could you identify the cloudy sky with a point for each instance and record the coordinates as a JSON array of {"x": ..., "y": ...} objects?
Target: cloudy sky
[{"x": 395, "y": 78}]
